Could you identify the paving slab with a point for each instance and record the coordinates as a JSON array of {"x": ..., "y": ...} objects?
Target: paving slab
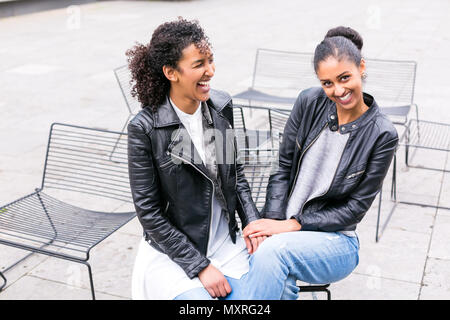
[
  {"x": 57, "y": 67},
  {"x": 373, "y": 287},
  {"x": 34, "y": 288},
  {"x": 436, "y": 285},
  {"x": 404, "y": 217},
  {"x": 444, "y": 200},
  {"x": 440, "y": 243},
  {"x": 399, "y": 254},
  {"x": 111, "y": 262}
]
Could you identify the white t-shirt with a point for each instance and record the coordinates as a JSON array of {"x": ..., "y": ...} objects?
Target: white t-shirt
[{"x": 155, "y": 275}]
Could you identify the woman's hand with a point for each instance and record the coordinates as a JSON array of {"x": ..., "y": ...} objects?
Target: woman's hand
[
  {"x": 214, "y": 282},
  {"x": 268, "y": 227},
  {"x": 253, "y": 243}
]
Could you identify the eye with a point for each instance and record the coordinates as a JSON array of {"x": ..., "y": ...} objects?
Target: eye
[
  {"x": 345, "y": 78},
  {"x": 326, "y": 83}
]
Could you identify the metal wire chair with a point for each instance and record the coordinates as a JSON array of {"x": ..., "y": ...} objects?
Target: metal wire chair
[
  {"x": 123, "y": 78},
  {"x": 271, "y": 119},
  {"x": 259, "y": 164},
  {"x": 4, "y": 281},
  {"x": 77, "y": 161},
  {"x": 278, "y": 77},
  {"x": 432, "y": 136}
]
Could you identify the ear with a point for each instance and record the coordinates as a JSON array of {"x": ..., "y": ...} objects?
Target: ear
[
  {"x": 362, "y": 66},
  {"x": 170, "y": 73}
]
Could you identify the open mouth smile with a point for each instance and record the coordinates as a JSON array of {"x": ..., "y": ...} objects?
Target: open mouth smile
[{"x": 345, "y": 99}]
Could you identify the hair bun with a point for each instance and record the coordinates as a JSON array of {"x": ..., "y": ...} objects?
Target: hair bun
[{"x": 348, "y": 33}]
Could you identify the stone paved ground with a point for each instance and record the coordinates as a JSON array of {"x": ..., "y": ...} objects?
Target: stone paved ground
[{"x": 57, "y": 66}]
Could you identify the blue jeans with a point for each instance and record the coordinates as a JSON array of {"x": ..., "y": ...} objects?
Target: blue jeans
[
  {"x": 312, "y": 257},
  {"x": 282, "y": 259}
]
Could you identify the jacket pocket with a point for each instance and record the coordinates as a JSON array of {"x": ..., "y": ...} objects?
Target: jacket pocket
[{"x": 354, "y": 174}]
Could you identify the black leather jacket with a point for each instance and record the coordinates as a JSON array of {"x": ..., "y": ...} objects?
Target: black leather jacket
[
  {"x": 173, "y": 199},
  {"x": 360, "y": 173}
]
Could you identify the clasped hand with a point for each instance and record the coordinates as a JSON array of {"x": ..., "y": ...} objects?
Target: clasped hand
[
  {"x": 254, "y": 234},
  {"x": 258, "y": 230}
]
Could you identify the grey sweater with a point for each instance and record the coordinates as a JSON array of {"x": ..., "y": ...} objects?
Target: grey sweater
[{"x": 317, "y": 170}]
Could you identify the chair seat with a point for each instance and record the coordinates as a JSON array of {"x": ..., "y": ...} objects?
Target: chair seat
[
  {"x": 429, "y": 135},
  {"x": 400, "y": 111},
  {"x": 77, "y": 230},
  {"x": 256, "y": 95}
]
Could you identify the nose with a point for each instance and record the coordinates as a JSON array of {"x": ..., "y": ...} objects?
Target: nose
[
  {"x": 210, "y": 69},
  {"x": 338, "y": 90}
]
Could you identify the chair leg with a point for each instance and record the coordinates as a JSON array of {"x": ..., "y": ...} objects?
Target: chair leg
[
  {"x": 417, "y": 120},
  {"x": 407, "y": 146},
  {"x": 56, "y": 255},
  {"x": 394, "y": 178},
  {"x": 4, "y": 281},
  {"x": 91, "y": 281},
  {"x": 379, "y": 213},
  {"x": 316, "y": 288}
]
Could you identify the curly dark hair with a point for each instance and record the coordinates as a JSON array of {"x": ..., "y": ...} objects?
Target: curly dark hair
[{"x": 149, "y": 84}]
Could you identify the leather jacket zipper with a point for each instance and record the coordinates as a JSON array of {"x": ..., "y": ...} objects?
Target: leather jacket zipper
[{"x": 212, "y": 183}]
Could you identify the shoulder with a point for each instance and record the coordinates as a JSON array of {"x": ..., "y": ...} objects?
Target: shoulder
[
  {"x": 143, "y": 120},
  {"x": 311, "y": 96},
  {"x": 221, "y": 102},
  {"x": 219, "y": 99},
  {"x": 311, "y": 101},
  {"x": 385, "y": 126}
]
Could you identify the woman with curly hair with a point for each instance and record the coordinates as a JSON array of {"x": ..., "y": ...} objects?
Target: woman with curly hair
[
  {"x": 185, "y": 181},
  {"x": 336, "y": 150}
]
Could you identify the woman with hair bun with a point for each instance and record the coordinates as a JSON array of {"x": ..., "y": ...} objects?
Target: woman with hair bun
[
  {"x": 336, "y": 150},
  {"x": 185, "y": 181}
]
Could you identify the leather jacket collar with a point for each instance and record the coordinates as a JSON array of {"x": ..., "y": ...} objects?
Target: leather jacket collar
[
  {"x": 165, "y": 115},
  {"x": 354, "y": 125}
]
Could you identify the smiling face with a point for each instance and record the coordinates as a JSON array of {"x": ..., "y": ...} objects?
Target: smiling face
[
  {"x": 342, "y": 82},
  {"x": 189, "y": 82}
]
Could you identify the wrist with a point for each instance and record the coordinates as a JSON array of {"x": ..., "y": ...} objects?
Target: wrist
[{"x": 293, "y": 225}]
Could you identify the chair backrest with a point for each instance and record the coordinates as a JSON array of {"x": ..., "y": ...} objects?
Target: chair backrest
[
  {"x": 261, "y": 118},
  {"x": 391, "y": 82},
  {"x": 123, "y": 77},
  {"x": 258, "y": 164},
  {"x": 283, "y": 73},
  {"x": 238, "y": 117},
  {"x": 278, "y": 119},
  {"x": 87, "y": 160}
]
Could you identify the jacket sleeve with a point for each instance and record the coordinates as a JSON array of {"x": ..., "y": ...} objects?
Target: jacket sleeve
[
  {"x": 278, "y": 185},
  {"x": 246, "y": 207},
  {"x": 339, "y": 214},
  {"x": 144, "y": 182}
]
